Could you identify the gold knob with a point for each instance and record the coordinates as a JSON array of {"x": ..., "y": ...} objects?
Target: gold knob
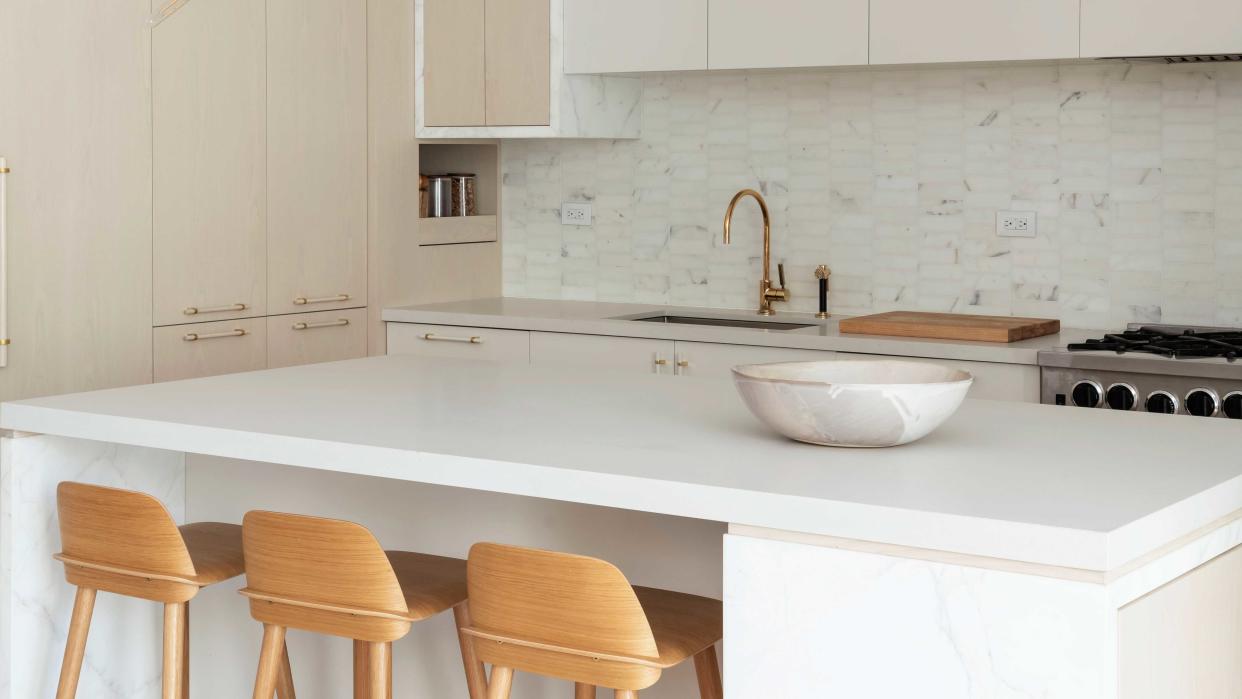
[
  {"x": 683, "y": 363},
  {"x": 660, "y": 362}
]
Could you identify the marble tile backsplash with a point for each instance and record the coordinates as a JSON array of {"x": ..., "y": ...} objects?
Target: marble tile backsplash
[{"x": 893, "y": 178}]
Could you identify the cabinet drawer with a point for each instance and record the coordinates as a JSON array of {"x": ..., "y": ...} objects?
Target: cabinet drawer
[
  {"x": 625, "y": 354},
  {"x": 993, "y": 381},
  {"x": 717, "y": 360},
  {"x": 307, "y": 338},
  {"x": 458, "y": 342},
  {"x": 207, "y": 349}
]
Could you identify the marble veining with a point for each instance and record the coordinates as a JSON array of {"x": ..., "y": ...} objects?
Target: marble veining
[
  {"x": 123, "y": 650},
  {"x": 893, "y": 178}
]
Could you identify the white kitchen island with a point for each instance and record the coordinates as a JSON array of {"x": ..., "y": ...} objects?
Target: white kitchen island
[{"x": 1021, "y": 550}]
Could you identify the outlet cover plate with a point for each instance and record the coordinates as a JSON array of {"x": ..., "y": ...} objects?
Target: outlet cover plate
[
  {"x": 575, "y": 213},
  {"x": 1016, "y": 224}
]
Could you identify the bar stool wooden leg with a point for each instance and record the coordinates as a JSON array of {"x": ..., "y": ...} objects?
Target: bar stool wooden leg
[
  {"x": 501, "y": 683},
  {"x": 476, "y": 675},
  {"x": 269, "y": 661},
  {"x": 284, "y": 681},
  {"x": 185, "y": 654},
  {"x": 584, "y": 691},
  {"x": 75, "y": 646},
  {"x": 174, "y": 649},
  {"x": 379, "y": 670},
  {"x": 362, "y": 668},
  {"x": 708, "y": 670},
  {"x": 624, "y": 694}
]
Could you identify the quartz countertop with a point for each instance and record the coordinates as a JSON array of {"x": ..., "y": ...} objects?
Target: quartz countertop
[
  {"x": 1084, "y": 489},
  {"x": 598, "y": 318}
]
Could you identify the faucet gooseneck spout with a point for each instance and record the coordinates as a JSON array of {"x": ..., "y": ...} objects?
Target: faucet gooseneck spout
[{"x": 767, "y": 293}]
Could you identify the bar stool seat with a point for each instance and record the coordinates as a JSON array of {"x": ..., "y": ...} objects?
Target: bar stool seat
[
  {"x": 430, "y": 584},
  {"x": 215, "y": 549},
  {"x": 683, "y": 625}
]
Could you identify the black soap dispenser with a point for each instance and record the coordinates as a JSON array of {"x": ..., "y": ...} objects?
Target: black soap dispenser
[{"x": 822, "y": 273}]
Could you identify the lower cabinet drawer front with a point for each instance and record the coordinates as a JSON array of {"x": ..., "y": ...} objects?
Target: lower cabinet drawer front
[
  {"x": 993, "y": 381},
  {"x": 323, "y": 336},
  {"x": 457, "y": 342},
  {"x": 207, "y": 349},
  {"x": 623, "y": 354},
  {"x": 717, "y": 361}
]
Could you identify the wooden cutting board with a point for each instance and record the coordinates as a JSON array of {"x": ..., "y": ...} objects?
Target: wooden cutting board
[{"x": 951, "y": 326}]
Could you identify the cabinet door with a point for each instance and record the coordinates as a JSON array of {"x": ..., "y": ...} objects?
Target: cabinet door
[
  {"x": 517, "y": 53},
  {"x": 209, "y": 153},
  {"x": 606, "y": 36},
  {"x": 623, "y": 354},
  {"x": 453, "y": 63},
  {"x": 1013, "y": 382},
  {"x": 786, "y": 33},
  {"x": 208, "y": 349},
  {"x": 1160, "y": 28},
  {"x": 717, "y": 361},
  {"x": 307, "y": 338},
  {"x": 316, "y": 154},
  {"x": 973, "y": 30},
  {"x": 455, "y": 342}
]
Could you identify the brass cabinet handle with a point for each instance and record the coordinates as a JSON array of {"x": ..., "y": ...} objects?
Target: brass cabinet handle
[
  {"x": 302, "y": 300},
  {"x": 660, "y": 361},
  {"x": 325, "y": 324},
  {"x": 195, "y": 337},
  {"x": 195, "y": 310},
  {"x": 473, "y": 339},
  {"x": 683, "y": 363}
]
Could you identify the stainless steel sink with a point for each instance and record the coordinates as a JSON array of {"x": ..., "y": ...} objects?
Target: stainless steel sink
[{"x": 725, "y": 322}]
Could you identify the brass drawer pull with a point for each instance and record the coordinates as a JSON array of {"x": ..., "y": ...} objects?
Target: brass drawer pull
[
  {"x": 195, "y": 310},
  {"x": 195, "y": 337},
  {"x": 326, "y": 324},
  {"x": 302, "y": 300},
  {"x": 683, "y": 363},
  {"x": 660, "y": 361},
  {"x": 473, "y": 339}
]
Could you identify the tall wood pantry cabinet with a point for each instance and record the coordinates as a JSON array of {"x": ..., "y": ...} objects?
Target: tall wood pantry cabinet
[{"x": 260, "y": 185}]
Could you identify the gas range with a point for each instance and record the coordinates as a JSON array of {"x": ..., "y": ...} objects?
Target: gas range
[{"x": 1171, "y": 369}]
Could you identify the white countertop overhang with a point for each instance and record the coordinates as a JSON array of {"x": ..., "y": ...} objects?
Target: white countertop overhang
[{"x": 1084, "y": 489}]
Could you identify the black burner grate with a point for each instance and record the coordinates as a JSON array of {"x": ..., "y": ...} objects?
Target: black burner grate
[{"x": 1182, "y": 344}]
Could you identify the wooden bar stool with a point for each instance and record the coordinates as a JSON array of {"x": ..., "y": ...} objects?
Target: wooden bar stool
[
  {"x": 125, "y": 542},
  {"x": 579, "y": 619},
  {"x": 329, "y": 576}
]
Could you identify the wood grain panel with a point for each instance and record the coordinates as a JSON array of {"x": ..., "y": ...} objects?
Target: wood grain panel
[
  {"x": 316, "y": 153},
  {"x": 178, "y": 358},
  {"x": 453, "y": 63},
  {"x": 951, "y": 326},
  {"x": 518, "y": 58},
  {"x": 210, "y": 190},
  {"x": 307, "y": 338}
]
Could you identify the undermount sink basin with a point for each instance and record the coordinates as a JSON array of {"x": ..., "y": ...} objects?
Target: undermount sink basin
[{"x": 725, "y": 322}]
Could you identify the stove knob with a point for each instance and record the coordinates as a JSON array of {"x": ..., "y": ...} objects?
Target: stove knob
[
  {"x": 1202, "y": 402},
  {"x": 1162, "y": 402},
  {"x": 1232, "y": 405},
  {"x": 1087, "y": 394},
  {"x": 1122, "y": 396}
]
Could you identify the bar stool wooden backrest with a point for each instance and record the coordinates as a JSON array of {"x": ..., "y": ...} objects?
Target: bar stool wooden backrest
[
  {"x": 557, "y": 614},
  {"x": 124, "y": 542},
  {"x": 322, "y": 575}
]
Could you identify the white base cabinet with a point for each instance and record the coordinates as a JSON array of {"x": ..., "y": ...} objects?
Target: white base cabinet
[
  {"x": 457, "y": 342},
  {"x": 625, "y": 354}
]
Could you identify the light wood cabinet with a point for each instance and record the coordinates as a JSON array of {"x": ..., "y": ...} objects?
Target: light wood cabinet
[
  {"x": 316, "y": 155},
  {"x": 209, "y": 163},
  {"x": 207, "y": 349},
  {"x": 1160, "y": 28},
  {"x": 715, "y": 360},
  {"x": 605, "y": 36},
  {"x": 903, "y": 31},
  {"x": 487, "y": 63},
  {"x": 786, "y": 33},
  {"x": 619, "y": 354},
  {"x": 326, "y": 336},
  {"x": 456, "y": 342},
  {"x": 454, "y": 63}
]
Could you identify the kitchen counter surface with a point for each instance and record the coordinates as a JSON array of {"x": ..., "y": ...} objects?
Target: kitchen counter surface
[
  {"x": 595, "y": 318},
  {"x": 1051, "y": 485}
]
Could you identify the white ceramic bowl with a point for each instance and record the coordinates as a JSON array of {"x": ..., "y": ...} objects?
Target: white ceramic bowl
[{"x": 848, "y": 403}]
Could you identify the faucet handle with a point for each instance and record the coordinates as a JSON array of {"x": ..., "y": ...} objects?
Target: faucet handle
[{"x": 780, "y": 273}]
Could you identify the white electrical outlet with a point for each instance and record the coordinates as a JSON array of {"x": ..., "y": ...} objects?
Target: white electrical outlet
[
  {"x": 1015, "y": 224},
  {"x": 575, "y": 214}
]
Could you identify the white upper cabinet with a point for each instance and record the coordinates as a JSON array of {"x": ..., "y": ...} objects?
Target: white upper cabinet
[
  {"x": 911, "y": 31},
  {"x": 786, "y": 33},
  {"x": 607, "y": 36},
  {"x": 1160, "y": 28}
]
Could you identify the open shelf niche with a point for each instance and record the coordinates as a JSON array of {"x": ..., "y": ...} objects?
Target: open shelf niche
[{"x": 479, "y": 157}]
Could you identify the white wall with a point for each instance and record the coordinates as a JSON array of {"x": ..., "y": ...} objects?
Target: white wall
[{"x": 893, "y": 178}]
